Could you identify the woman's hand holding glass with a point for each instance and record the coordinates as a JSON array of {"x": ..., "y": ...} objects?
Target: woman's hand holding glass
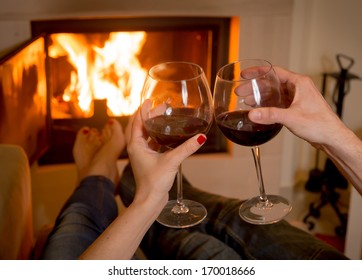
[
  {"x": 155, "y": 172},
  {"x": 176, "y": 105}
]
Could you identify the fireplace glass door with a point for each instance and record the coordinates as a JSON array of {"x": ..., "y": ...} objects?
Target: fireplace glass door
[{"x": 95, "y": 69}]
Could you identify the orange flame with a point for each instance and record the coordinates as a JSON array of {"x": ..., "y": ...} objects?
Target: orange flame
[{"x": 111, "y": 72}]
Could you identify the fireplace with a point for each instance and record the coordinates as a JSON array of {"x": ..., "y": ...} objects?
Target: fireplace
[{"x": 93, "y": 69}]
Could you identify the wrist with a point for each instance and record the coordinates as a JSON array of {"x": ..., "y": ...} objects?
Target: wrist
[
  {"x": 150, "y": 202},
  {"x": 342, "y": 144},
  {"x": 336, "y": 138}
]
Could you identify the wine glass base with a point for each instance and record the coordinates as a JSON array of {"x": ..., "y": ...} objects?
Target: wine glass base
[
  {"x": 194, "y": 215},
  {"x": 262, "y": 213}
]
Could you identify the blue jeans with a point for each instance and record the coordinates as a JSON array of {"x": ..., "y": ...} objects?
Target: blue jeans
[
  {"x": 92, "y": 207},
  {"x": 87, "y": 213},
  {"x": 222, "y": 235}
]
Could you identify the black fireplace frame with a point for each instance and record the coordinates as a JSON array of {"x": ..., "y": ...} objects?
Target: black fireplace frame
[
  {"x": 63, "y": 131},
  {"x": 219, "y": 26}
]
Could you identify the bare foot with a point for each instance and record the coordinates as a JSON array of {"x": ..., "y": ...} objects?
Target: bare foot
[
  {"x": 87, "y": 143},
  {"x": 104, "y": 162}
]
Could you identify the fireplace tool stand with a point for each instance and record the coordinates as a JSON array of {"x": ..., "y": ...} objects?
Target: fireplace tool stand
[{"x": 328, "y": 180}]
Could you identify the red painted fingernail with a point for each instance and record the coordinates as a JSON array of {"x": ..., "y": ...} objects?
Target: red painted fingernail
[
  {"x": 201, "y": 139},
  {"x": 85, "y": 131}
]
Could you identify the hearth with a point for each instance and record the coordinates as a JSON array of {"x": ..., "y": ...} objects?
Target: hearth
[{"x": 93, "y": 69}]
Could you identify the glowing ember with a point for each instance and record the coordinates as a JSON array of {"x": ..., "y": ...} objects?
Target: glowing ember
[{"x": 111, "y": 71}]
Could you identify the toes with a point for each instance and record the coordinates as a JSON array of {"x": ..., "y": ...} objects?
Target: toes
[
  {"x": 83, "y": 132},
  {"x": 87, "y": 138},
  {"x": 94, "y": 137},
  {"x": 107, "y": 131}
]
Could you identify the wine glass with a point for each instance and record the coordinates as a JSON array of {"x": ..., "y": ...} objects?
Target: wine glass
[
  {"x": 239, "y": 87},
  {"x": 176, "y": 104}
]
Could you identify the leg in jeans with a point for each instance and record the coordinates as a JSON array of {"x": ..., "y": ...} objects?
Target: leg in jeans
[
  {"x": 92, "y": 206},
  {"x": 162, "y": 242},
  {"x": 86, "y": 214},
  {"x": 276, "y": 241}
]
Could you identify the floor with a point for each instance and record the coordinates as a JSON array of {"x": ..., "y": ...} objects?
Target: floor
[{"x": 327, "y": 225}]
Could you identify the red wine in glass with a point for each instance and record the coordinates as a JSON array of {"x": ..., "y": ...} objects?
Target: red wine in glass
[
  {"x": 171, "y": 131},
  {"x": 237, "y": 127}
]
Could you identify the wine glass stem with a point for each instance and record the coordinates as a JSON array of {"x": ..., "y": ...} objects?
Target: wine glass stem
[
  {"x": 180, "y": 207},
  {"x": 256, "y": 155}
]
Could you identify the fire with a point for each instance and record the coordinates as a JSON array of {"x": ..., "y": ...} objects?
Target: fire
[{"x": 109, "y": 70}]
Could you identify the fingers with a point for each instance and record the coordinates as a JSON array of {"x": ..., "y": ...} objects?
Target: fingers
[
  {"x": 267, "y": 115},
  {"x": 148, "y": 112},
  {"x": 179, "y": 154},
  {"x": 137, "y": 129},
  {"x": 248, "y": 87},
  {"x": 128, "y": 130},
  {"x": 136, "y": 135},
  {"x": 259, "y": 88},
  {"x": 286, "y": 78},
  {"x": 285, "y": 75},
  {"x": 254, "y": 72},
  {"x": 254, "y": 91}
]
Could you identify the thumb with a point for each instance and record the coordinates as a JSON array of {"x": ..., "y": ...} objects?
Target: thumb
[
  {"x": 265, "y": 115},
  {"x": 187, "y": 148}
]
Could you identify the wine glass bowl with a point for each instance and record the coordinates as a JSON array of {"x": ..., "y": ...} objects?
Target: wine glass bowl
[
  {"x": 176, "y": 104},
  {"x": 240, "y": 87}
]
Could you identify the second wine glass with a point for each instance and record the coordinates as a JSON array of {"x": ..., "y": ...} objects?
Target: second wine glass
[
  {"x": 176, "y": 105},
  {"x": 240, "y": 87}
]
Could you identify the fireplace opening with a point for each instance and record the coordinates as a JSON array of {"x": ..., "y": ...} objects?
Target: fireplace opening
[
  {"x": 112, "y": 66},
  {"x": 95, "y": 69}
]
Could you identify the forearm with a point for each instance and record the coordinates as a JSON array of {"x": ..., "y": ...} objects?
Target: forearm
[
  {"x": 122, "y": 238},
  {"x": 345, "y": 149}
]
